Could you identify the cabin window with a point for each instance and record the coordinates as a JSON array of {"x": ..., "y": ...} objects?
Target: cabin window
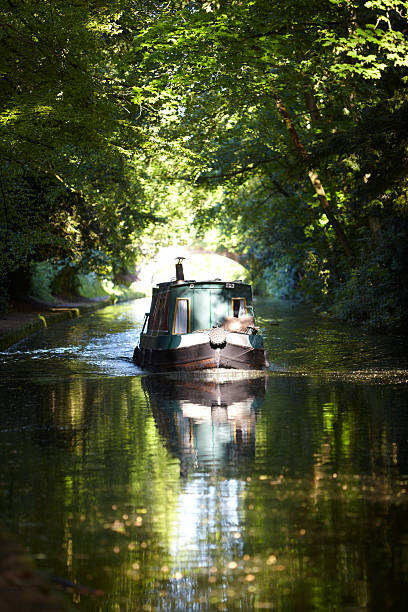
[
  {"x": 182, "y": 316},
  {"x": 239, "y": 308}
]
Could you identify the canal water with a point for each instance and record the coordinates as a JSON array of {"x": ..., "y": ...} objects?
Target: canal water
[{"x": 284, "y": 490}]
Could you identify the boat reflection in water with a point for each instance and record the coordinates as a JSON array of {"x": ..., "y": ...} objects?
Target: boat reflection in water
[{"x": 207, "y": 419}]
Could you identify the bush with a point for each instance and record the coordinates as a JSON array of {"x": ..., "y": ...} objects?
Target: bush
[
  {"x": 42, "y": 275},
  {"x": 91, "y": 286},
  {"x": 375, "y": 293}
]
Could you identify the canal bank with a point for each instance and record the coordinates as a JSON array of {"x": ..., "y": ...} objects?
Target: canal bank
[{"x": 30, "y": 316}]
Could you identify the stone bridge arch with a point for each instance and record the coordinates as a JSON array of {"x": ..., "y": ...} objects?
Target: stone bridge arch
[
  {"x": 222, "y": 252},
  {"x": 161, "y": 267}
]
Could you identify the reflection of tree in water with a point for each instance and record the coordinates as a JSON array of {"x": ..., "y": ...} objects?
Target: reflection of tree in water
[
  {"x": 207, "y": 423},
  {"x": 312, "y": 516}
]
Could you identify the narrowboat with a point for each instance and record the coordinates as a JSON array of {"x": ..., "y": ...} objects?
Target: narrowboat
[{"x": 196, "y": 325}]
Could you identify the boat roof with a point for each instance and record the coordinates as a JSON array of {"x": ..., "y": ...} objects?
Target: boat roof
[{"x": 216, "y": 281}]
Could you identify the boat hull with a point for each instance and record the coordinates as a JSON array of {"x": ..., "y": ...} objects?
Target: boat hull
[{"x": 202, "y": 356}]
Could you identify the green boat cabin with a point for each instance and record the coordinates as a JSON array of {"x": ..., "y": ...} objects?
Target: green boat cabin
[{"x": 189, "y": 306}]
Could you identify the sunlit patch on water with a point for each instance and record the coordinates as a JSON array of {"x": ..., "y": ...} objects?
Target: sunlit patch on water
[{"x": 380, "y": 377}]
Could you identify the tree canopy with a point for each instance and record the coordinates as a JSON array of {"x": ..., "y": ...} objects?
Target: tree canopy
[
  {"x": 71, "y": 148},
  {"x": 281, "y": 124}
]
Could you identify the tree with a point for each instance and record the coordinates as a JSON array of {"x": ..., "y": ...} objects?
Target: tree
[
  {"x": 221, "y": 69},
  {"x": 69, "y": 136}
]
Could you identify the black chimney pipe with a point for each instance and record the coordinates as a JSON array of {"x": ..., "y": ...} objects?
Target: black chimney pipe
[{"x": 179, "y": 269}]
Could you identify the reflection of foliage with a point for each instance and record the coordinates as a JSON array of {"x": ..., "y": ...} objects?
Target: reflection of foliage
[{"x": 315, "y": 521}]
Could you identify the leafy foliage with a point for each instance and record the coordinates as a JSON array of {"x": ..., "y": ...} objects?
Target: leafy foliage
[
  {"x": 298, "y": 116},
  {"x": 69, "y": 175},
  {"x": 284, "y": 126}
]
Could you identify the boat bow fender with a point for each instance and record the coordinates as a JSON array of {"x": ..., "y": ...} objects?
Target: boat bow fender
[{"x": 218, "y": 337}]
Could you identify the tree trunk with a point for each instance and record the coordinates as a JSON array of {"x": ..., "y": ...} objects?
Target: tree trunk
[
  {"x": 374, "y": 224},
  {"x": 317, "y": 185},
  {"x": 312, "y": 106}
]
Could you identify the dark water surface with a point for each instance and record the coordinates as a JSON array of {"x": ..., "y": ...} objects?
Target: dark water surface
[{"x": 284, "y": 491}]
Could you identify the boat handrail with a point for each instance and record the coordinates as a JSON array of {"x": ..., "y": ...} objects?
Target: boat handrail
[{"x": 146, "y": 318}]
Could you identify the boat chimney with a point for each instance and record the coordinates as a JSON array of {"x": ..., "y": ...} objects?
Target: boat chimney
[{"x": 179, "y": 269}]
